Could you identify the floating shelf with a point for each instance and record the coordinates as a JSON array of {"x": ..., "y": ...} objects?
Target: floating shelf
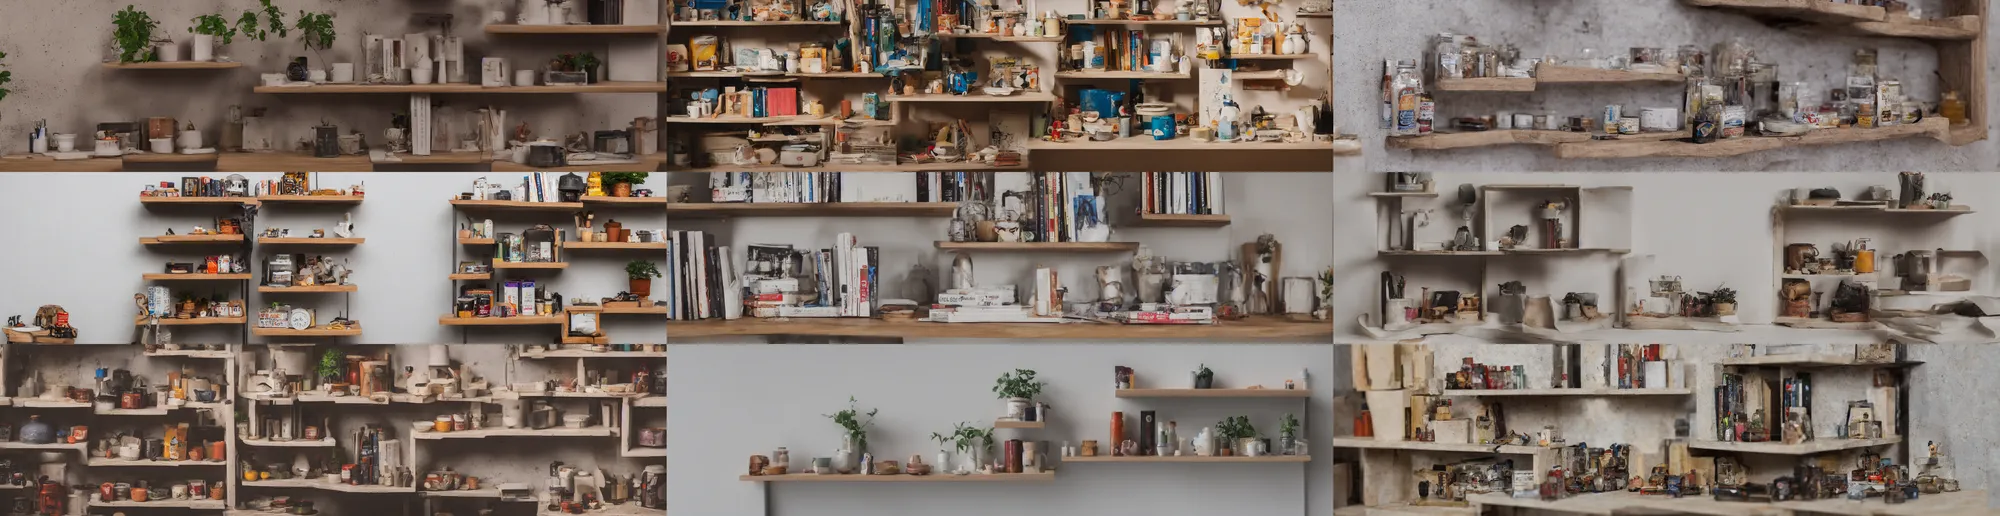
[
  {"x": 643, "y": 163},
  {"x": 160, "y": 200},
  {"x": 1809, "y": 360},
  {"x": 204, "y": 321},
  {"x": 1554, "y": 74},
  {"x": 650, "y": 402},
  {"x": 49, "y": 403},
  {"x": 554, "y": 320},
  {"x": 196, "y": 504},
  {"x": 516, "y": 205},
  {"x": 310, "y": 241},
  {"x": 1371, "y": 443},
  {"x": 1122, "y": 74},
  {"x": 154, "y": 158},
  {"x": 1271, "y": 57},
  {"x": 311, "y": 289},
  {"x": 102, "y": 462},
  {"x": 1592, "y": 391},
  {"x": 639, "y": 246},
  {"x": 266, "y": 443},
  {"x": 584, "y": 353},
  {"x": 475, "y": 241},
  {"x": 309, "y": 332},
  {"x": 1113, "y": 21},
  {"x": 935, "y": 477},
  {"x": 1147, "y": 143},
  {"x": 1402, "y": 194},
  {"x": 1028, "y": 96},
  {"x": 1165, "y": 220},
  {"x": 190, "y": 239},
  {"x": 860, "y": 167},
  {"x": 1213, "y": 393},
  {"x": 508, "y": 28},
  {"x": 312, "y": 199},
  {"x": 602, "y": 87},
  {"x": 176, "y": 65},
  {"x": 1193, "y": 459},
  {"x": 728, "y": 119},
  {"x": 1953, "y": 28},
  {"x": 1955, "y": 209},
  {"x": 481, "y": 276},
  {"x": 191, "y": 353},
  {"x": 1936, "y": 128},
  {"x": 1505, "y": 84},
  {"x": 1256, "y": 327},
  {"x": 638, "y": 310},
  {"x": 1056, "y": 247},
  {"x": 742, "y": 23},
  {"x": 161, "y": 276},
  {"x": 1815, "y": 446},
  {"x": 997, "y": 37},
  {"x": 323, "y": 485},
  {"x": 16, "y": 445},
  {"x": 1015, "y": 423},
  {"x": 1443, "y": 141},
  {"x": 499, "y": 265},
  {"x": 593, "y": 431},
  {"x": 832, "y": 209},
  {"x": 623, "y": 201},
  {"x": 1405, "y": 252}
]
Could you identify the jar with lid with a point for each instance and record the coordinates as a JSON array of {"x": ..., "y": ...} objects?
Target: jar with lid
[{"x": 1445, "y": 62}]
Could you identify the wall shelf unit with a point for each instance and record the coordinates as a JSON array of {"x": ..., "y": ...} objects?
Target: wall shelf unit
[
  {"x": 833, "y": 209},
  {"x": 1257, "y": 327}
]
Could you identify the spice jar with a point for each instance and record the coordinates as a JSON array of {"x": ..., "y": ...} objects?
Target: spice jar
[{"x": 442, "y": 423}]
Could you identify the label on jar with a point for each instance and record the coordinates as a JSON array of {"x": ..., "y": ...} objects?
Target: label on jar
[{"x": 1732, "y": 121}]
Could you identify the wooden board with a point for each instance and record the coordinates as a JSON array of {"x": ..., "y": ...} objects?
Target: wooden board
[
  {"x": 501, "y": 321},
  {"x": 1026, "y": 96},
  {"x": 515, "y": 205},
  {"x": 1178, "y": 221},
  {"x": 601, "y": 87},
  {"x": 1147, "y": 143},
  {"x": 312, "y": 199},
  {"x": 935, "y": 477},
  {"x": 310, "y": 241},
  {"x": 1442, "y": 141},
  {"x": 1497, "y": 84},
  {"x": 1195, "y": 459},
  {"x": 1015, "y": 423},
  {"x": 1553, "y": 74},
  {"x": 508, "y": 28},
  {"x": 497, "y": 265},
  {"x": 176, "y": 65},
  {"x": 623, "y": 201},
  {"x": 661, "y": 246},
  {"x": 1123, "y": 74},
  {"x": 471, "y": 277},
  {"x": 1960, "y": 28},
  {"x": 847, "y": 167},
  {"x": 1212, "y": 393},
  {"x": 1582, "y": 392},
  {"x": 189, "y": 239},
  {"x": 290, "y": 162},
  {"x": 1811, "y": 10},
  {"x": 1252, "y": 328},
  {"x": 997, "y": 37},
  {"x": 1369, "y": 443},
  {"x": 1815, "y": 446},
  {"x": 206, "y": 321},
  {"x": 739, "y": 23},
  {"x": 161, "y": 276},
  {"x": 1935, "y": 128},
  {"x": 833, "y": 209},
  {"x": 153, "y": 158},
  {"x": 1053, "y": 247},
  {"x": 311, "y": 289},
  {"x": 646, "y": 163},
  {"x": 1109, "y": 21},
  {"x": 309, "y": 332},
  {"x": 228, "y": 201}
]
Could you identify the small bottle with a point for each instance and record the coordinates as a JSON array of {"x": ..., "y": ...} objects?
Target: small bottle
[
  {"x": 1952, "y": 108},
  {"x": 1364, "y": 423}
]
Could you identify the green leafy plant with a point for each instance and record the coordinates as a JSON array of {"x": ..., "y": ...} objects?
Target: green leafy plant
[
  {"x": 641, "y": 269},
  {"x": 315, "y": 31},
  {"x": 214, "y": 25},
  {"x": 964, "y": 437},
  {"x": 5, "y": 77},
  {"x": 133, "y": 33},
  {"x": 1289, "y": 426},
  {"x": 1235, "y": 427},
  {"x": 1722, "y": 295},
  {"x": 850, "y": 420},
  {"x": 612, "y": 178},
  {"x": 1018, "y": 384},
  {"x": 329, "y": 365},
  {"x": 274, "y": 21},
  {"x": 588, "y": 63}
]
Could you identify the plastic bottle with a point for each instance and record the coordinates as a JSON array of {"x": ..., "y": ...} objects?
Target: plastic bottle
[
  {"x": 1409, "y": 92},
  {"x": 1225, "y": 119}
]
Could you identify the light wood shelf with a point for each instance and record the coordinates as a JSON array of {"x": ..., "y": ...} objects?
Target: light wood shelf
[
  {"x": 585, "y": 353},
  {"x": 934, "y": 477},
  {"x": 1147, "y": 143},
  {"x": 641, "y": 310},
  {"x": 832, "y": 209},
  {"x": 1936, "y": 128},
  {"x": 1271, "y": 57},
  {"x": 161, "y": 276},
  {"x": 309, "y": 290},
  {"x": 310, "y": 241},
  {"x": 204, "y": 321},
  {"x": 1370, "y": 443},
  {"x": 1431, "y": 194},
  {"x": 1179, "y": 221},
  {"x": 1584, "y": 392},
  {"x": 1116, "y": 21},
  {"x": 589, "y": 200},
  {"x": 1499, "y": 84},
  {"x": 1213, "y": 393},
  {"x": 509, "y": 28},
  {"x": 1956, "y": 209},
  {"x": 1462, "y": 140},
  {"x": 554, "y": 320},
  {"x": 1555, "y": 74},
  {"x": 308, "y": 332},
  {"x": 728, "y": 119},
  {"x": 741, "y": 23},
  {"x": 176, "y": 65},
  {"x": 642, "y": 163},
  {"x": 1026, "y": 96},
  {"x": 1402, "y": 252},
  {"x": 1015, "y": 423},
  {"x": 471, "y": 277},
  {"x": 589, "y": 431},
  {"x": 1122, "y": 74},
  {"x": 516, "y": 205},
  {"x": 1958, "y": 28},
  {"x": 1256, "y": 327},
  {"x": 323, "y": 485},
  {"x": 475, "y": 241},
  {"x": 846, "y": 167},
  {"x": 105, "y": 462},
  {"x": 650, "y": 402},
  {"x": 156, "y": 158},
  {"x": 312, "y": 199},
  {"x": 196, "y": 504},
  {"x": 189, "y": 239},
  {"x": 500, "y": 265},
  {"x": 297, "y": 443},
  {"x": 1195, "y": 459},
  {"x": 1809, "y": 360},
  {"x": 160, "y": 200},
  {"x": 997, "y": 37},
  {"x": 1811, "y": 10},
  {"x": 601, "y": 87},
  {"x": 630, "y": 246},
  {"x": 191, "y": 353},
  {"x": 1053, "y": 247},
  {"x": 1815, "y": 446}
]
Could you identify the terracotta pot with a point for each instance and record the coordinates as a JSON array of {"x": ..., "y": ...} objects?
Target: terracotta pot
[
  {"x": 642, "y": 287},
  {"x": 621, "y": 190}
]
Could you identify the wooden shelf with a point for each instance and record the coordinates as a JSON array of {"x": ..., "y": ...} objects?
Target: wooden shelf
[
  {"x": 471, "y": 277},
  {"x": 1936, "y": 128},
  {"x": 644, "y": 163},
  {"x": 1213, "y": 393},
  {"x": 205, "y": 321},
  {"x": 104, "y": 462},
  {"x": 508, "y": 28},
  {"x": 1026, "y": 96},
  {"x": 837, "y": 75},
  {"x": 622, "y": 201},
  {"x": 639, "y": 310},
  {"x": 1147, "y": 143},
  {"x": 1959, "y": 28},
  {"x": 1370, "y": 443},
  {"x": 1271, "y": 57},
  {"x": 832, "y": 209},
  {"x": 310, "y": 290},
  {"x": 1179, "y": 221},
  {"x": 934, "y": 477},
  {"x": 309, "y": 332},
  {"x": 1874, "y": 208},
  {"x": 1432, "y": 194},
  {"x": 1015, "y": 423},
  {"x": 554, "y": 320},
  {"x": 1400, "y": 252},
  {"x": 1122, "y": 74},
  {"x": 17, "y": 445},
  {"x": 160, "y": 276},
  {"x": 650, "y": 402},
  {"x": 516, "y": 205},
  {"x": 435, "y": 158},
  {"x": 638, "y": 246},
  {"x": 1811, "y": 10},
  {"x": 1443, "y": 141},
  {"x": 741, "y": 23},
  {"x": 191, "y": 503},
  {"x": 155, "y": 158},
  {"x": 1502, "y": 84},
  {"x": 311, "y": 199},
  {"x": 602, "y": 87},
  {"x": 320, "y": 484},
  {"x": 228, "y": 201},
  {"x": 310, "y": 241},
  {"x": 997, "y": 37},
  {"x": 176, "y": 65},
  {"x": 1112, "y": 21},
  {"x": 1262, "y": 327},
  {"x": 189, "y": 239},
  {"x": 1053, "y": 247},
  {"x": 1554, "y": 74},
  {"x": 1585, "y": 392},
  {"x": 192, "y": 353},
  {"x": 1195, "y": 459},
  {"x": 847, "y": 167},
  {"x": 500, "y": 265},
  {"x": 585, "y": 353},
  {"x": 1809, "y": 360},
  {"x": 475, "y": 241},
  {"x": 1815, "y": 446},
  {"x": 589, "y": 431},
  {"x": 728, "y": 119},
  {"x": 266, "y": 443}
]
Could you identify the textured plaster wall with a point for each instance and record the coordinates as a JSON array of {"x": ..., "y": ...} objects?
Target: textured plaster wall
[
  {"x": 54, "y": 49},
  {"x": 1368, "y": 32}
]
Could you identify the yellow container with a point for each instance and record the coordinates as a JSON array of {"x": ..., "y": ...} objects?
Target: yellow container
[
  {"x": 1864, "y": 261},
  {"x": 704, "y": 51}
]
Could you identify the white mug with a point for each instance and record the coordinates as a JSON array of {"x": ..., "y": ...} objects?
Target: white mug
[
  {"x": 65, "y": 143},
  {"x": 492, "y": 72},
  {"x": 421, "y": 75},
  {"x": 343, "y": 72},
  {"x": 524, "y": 77},
  {"x": 163, "y": 145}
]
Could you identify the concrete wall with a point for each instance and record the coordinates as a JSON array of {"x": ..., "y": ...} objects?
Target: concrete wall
[{"x": 58, "y": 78}]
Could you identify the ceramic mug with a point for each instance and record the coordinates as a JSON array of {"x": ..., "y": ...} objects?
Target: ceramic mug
[
  {"x": 524, "y": 77},
  {"x": 316, "y": 75},
  {"x": 343, "y": 73},
  {"x": 162, "y": 145},
  {"x": 65, "y": 142}
]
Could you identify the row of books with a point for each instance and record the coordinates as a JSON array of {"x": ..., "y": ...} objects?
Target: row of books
[
  {"x": 832, "y": 187},
  {"x": 697, "y": 279},
  {"x": 776, "y": 280},
  {"x": 1182, "y": 193}
]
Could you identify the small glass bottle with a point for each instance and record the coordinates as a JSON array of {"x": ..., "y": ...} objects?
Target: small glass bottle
[
  {"x": 1952, "y": 108},
  {"x": 1364, "y": 423}
]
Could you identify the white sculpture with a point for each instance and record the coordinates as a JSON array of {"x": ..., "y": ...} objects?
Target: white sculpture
[
  {"x": 1110, "y": 288},
  {"x": 961, "y": 272},
  {"x": 345, "y": 229}
]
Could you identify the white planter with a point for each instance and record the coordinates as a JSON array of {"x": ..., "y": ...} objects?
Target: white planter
[
  {"x": 1249, "y": 447},
  {"x": 1386, "y": 409},
  {"x": 169, "y": 51},
  {"x": 1017, "y": 408},
  {"x": 943, "y": 464},
  {"x": 316, "y": 75},
  {"x": 343, "y": 73},
  {"x": 204, "y": 47}
]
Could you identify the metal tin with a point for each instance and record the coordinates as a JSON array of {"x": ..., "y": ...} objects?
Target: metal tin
[
  {"x": 197, "y": 488},
  {"x": 154, "y": 448},
  {"x": 1612, "y": 113},
  {"x": 121, "y": 491},
  {"x": 132, "y": 400}
]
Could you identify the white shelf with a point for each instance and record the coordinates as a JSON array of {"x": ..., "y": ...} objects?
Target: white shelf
[
  {"x": 650, "y": 402},
  {"x": 48, "y": 403},
  {"x": 266, "y": 443},
  {"x": 590, "y": 431},
  {"x": 104, "y": 462},
  {"x": 191, "y": 353},
  {"x": 323, "y": 485},
  {"x": 1815, "y": 446},
  {"x": 14, "y": 445},
  {"x": 1588, "y": 391},
  {"x": 201, "y": 504}
]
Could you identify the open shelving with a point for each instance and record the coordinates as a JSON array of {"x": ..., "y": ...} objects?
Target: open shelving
[
  {"x": 833, "y": 209},
  {"x": 1194, "y": 459},
  {"x": 576, "y": 29},
  {"x": 600, "y": 87},
  {"x": 1256, "y": 327},
  {"x": 934, "y": 477}
]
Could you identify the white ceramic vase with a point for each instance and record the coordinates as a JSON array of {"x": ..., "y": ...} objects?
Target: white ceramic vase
[
  {"x": 1017, "y": 408},
  {"x": 943, "y": 463},
  {"x": 968, "y": 460},
  {"x": 169, "y": 51},
  {"x": 204, "y": 47},
  {"x": 343, "y": 73}
]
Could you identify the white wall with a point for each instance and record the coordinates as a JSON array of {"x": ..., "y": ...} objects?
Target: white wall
[{"x": 87, "y": 258}]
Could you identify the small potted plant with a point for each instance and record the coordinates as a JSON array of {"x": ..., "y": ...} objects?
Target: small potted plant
[
  {"x": 1325, "y": 295},
  {"x": 207, "y": 29},
  {"x": 590, "y": 65},
  {"x": 1722, "y": 301},
  {"x": 1204, "y": 378},
  {"x": 1236, "y": 433},
  {"x": 621, "y": 182},
  {"x": 972, "y": 444},
  {"x": 133, "y": 33},
  {"x": 1019, "y": 388},
  {"x": 854, "y": 434},
  {"x": 316, "y": 34},
  {"x": 1288, "y": 434},
  {"x": 642, "y": 272},
  {"x": 329, "y": 370}
]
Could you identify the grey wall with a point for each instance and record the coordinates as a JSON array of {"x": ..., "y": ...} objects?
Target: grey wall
[
  {"x": 57, "y": 75},
  {"x": 1369, "y": 32}
]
